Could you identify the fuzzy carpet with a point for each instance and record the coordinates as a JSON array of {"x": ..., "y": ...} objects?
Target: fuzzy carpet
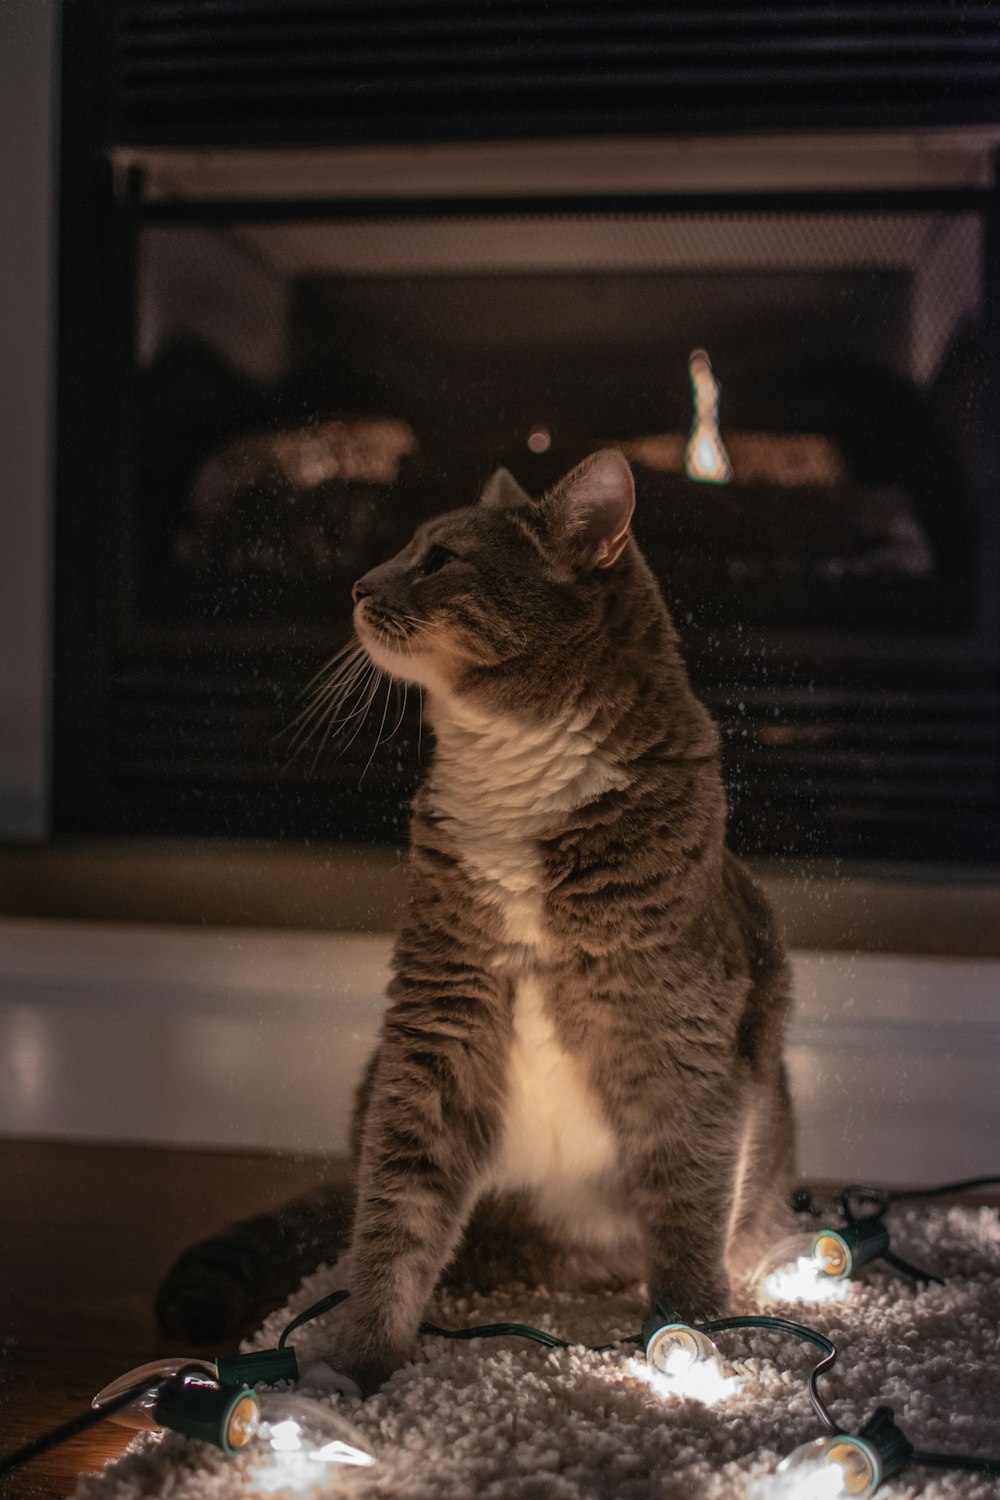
[{"x": 508, "y": 1420}]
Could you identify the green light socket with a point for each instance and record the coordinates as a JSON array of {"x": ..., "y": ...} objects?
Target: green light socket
[
  {"x": 261, "y": 1367},
  {"x": 225, "y": 1416},
  {"x": 654, "y": 1322},
  {"x": 892, "y": 1445},
  {"x": 861, "y": 1240}
]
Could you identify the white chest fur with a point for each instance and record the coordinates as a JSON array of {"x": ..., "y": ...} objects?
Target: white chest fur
[
  {"x": 554, "y": 1141},
  {"x": 554, "y": 1138},
  {"x": 498, "y": 786}
]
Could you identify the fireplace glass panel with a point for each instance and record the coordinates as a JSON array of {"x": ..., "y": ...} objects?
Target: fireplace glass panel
[{"x": 305, "y": 391}]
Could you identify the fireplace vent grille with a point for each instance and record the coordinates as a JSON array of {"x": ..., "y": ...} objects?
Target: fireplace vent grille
[
  {"x": 821, "y": 769},
  {"x": 219, "y": 72}
]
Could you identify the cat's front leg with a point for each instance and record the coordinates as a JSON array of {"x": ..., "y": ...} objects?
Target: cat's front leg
[
  {"x": 432, "y": 1115},
  {"x": 683, "y": 1196}
]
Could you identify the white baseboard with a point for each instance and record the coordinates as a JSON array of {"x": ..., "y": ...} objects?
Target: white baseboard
[{"x": 256, "y": 1039}]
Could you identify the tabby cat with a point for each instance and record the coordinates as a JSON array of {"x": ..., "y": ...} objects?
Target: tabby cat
[{"x": 579, "y": 1079}]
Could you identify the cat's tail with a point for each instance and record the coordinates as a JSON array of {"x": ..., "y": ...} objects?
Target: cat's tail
[{"x": 217, "y": 1287}]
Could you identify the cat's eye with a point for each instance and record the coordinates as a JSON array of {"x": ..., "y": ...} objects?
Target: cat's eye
[{"x": 434, "y": 560}]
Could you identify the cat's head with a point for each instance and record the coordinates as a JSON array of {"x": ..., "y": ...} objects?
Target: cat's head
[{"x": 498, "y": 588}]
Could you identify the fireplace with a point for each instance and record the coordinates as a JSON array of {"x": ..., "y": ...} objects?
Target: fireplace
[{"x": 314, "y": 349}]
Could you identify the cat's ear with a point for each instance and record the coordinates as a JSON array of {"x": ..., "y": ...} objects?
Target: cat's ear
[
  {"x": 502, "y": 489},
  {"x": 590, "y": 510}
]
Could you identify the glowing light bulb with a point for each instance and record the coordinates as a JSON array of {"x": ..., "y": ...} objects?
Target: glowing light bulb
[
  {"x": 286, "y": 1436},
  {"x": 816, "y": 1267},
  {"x": 821, "y": 1470},
  {"x": 682, "y": 1361},
  {"x": 301, "y": 1439},
  {"x": 792, "y": 1272},
  {"x": 705, "y": 458},
  {"x": 678, "y": 1347}
]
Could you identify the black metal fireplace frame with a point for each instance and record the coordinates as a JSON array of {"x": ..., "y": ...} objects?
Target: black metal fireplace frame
[{"x": 100, "y": 209}]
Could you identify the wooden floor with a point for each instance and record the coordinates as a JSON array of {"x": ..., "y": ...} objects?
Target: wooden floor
[{"x": 86, "y": 1232}]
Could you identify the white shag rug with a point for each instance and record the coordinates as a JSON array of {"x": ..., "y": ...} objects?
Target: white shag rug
[{"x": 509, "y": 1420}]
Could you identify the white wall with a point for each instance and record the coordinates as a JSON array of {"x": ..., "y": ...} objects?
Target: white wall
[
  {"x": 254, "y": 1038},
  {"x": 28, "y": 100}
]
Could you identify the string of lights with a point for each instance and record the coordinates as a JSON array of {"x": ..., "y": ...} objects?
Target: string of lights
[
  {"x": 672, "y": 1347},
  {"x": 215, "y": 1400},
  {"x": 842, "y": 1463}
]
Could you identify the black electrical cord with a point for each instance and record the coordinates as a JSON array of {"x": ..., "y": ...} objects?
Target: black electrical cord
[
  {"x": 315, "y": 1311},
  {"x": 908, "y": 1268},
  {"x": 90, "y": 1418},
  {"x": 944, "y": 1189},
  {"x": 521, "y": 1331},
  {"x": 807, "y": 1336},
  {"x": 482, "y": 1331},
  {"x": 878, "y": 1199},
  {"x": 965, "y": 1461}
]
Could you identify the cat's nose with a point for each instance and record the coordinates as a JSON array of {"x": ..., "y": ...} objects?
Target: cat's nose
[{"x": 360, "y": 590}]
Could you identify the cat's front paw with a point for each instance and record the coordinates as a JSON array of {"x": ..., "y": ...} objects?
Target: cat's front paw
[
  {"x": 318, "y": 1375},
  {"x": 368, "y": 1364},
  {"x": 369, "y": 1375},
  {"x": 690, "y": 1302}
]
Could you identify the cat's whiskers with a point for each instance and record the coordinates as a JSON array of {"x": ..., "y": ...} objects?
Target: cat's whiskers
[
  {"x": 318, "y": 710},
  {"x": 341, "y": 685},
  {"x": 334, "y": 671},
  {"x": 328, "y": 699},
  {"x": 388, "y": 689},
  {"x": 393, "y": 640},
  {"x": 349, "y": 647},
  {"x": 357, "y": 689},
  {"x": 402, "y": 710},
  {"x": 331, "y": 671},
  {"x": 418, "y": 626},
  {"x": 343, "y": 690},
  {"x": 366, "y": 690},
  {"x": 372, "y": 691},
  {"x": 349, "y": 690}
]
